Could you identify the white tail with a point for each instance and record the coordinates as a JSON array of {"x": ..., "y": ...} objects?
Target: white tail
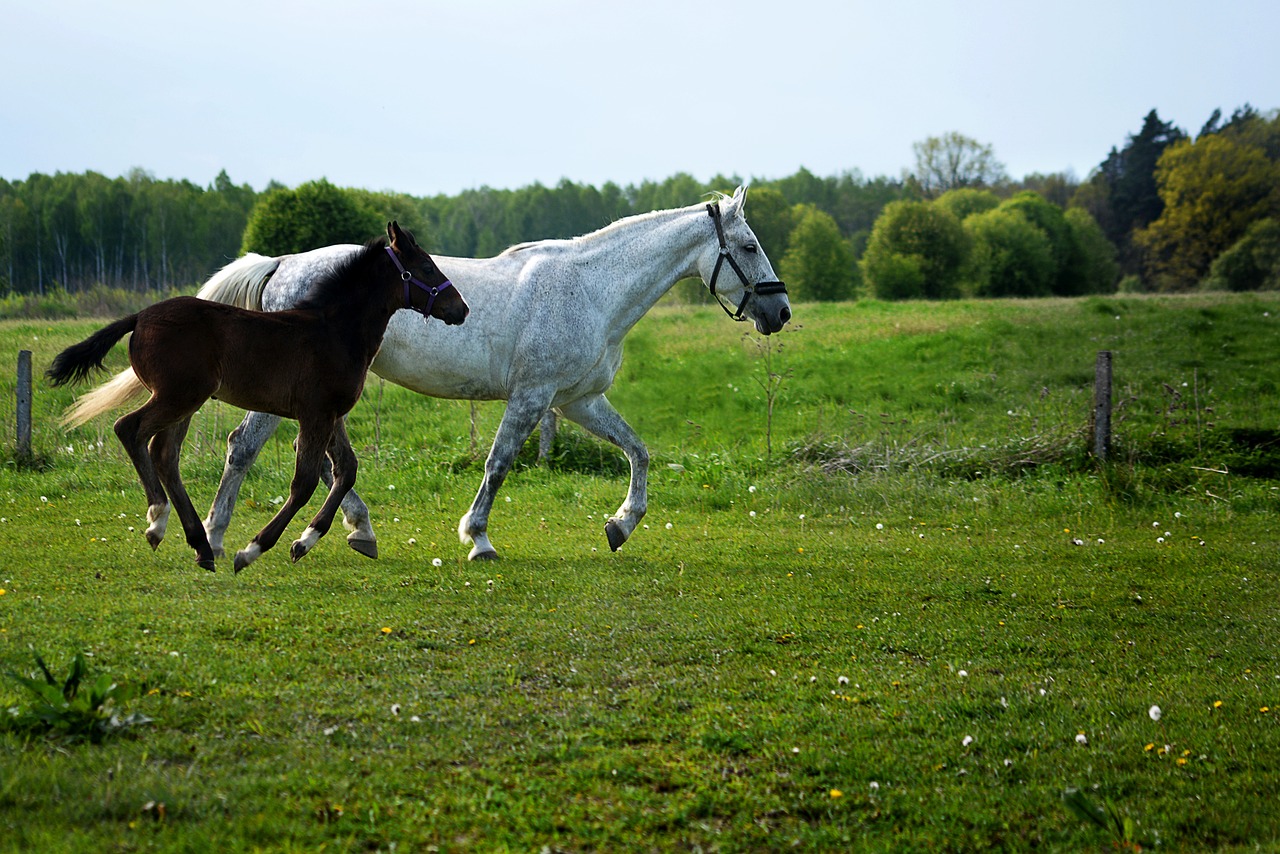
[{"x": 240, "y": 283}]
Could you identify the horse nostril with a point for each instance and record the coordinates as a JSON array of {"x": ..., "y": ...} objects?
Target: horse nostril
[{"x": 784, "y": 315}]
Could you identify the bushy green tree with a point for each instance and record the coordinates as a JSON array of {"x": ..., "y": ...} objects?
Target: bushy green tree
[
  {"x": 1212, "y": 190},
  {"x": 1069, "y": 276},
  {"x": 1099, "y": 268},
  {"x": 1252, "y": 263},
  {"x": 967, "y": 200},
  {"x": 916, "y": 250},
  {"x": 819, "y": 263},
  {"x": 313, "y": 215},
  {"x": 1011, "y": 257}
]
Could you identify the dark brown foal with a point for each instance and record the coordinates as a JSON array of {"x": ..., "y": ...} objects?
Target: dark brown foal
[{"x": 308, "y": 363}]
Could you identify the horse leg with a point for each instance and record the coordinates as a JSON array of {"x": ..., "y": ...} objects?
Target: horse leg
[
  {"x": 344, "y": 466},
  {"x": 546, "y": 434},
  {"x": 243, "y": 446},
  {"x": 523, "y": 411},
  {"x": 134, "y": 432},
  {"x": 598, "y": 417},
  {"x": 166, "y": 448},
  {"x": 313, "y": 438},
  {"x": 355, "y": 516}
]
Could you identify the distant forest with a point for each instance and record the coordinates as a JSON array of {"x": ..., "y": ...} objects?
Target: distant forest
[{"x": 1163, "y": 210}]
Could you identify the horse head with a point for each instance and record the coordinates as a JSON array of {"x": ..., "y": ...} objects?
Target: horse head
[
  {"x": 741, "y": 273},
  {"x": 426, "y": 290}
]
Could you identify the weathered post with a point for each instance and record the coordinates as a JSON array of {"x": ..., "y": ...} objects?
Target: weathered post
[
  {"x": 24, "y": 405},
  {"x": 1102, "y": 406}
]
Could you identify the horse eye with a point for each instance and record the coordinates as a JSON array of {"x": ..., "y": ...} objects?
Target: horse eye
[{"x": 750, "y": 247}]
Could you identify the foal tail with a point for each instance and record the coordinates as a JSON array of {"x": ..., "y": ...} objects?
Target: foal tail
[
  {"x": 79, "y": 360},
  {"x": 239, "y": 283}
]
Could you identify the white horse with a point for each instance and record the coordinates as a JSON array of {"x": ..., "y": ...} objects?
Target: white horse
[{"x": 545, "y": 333}]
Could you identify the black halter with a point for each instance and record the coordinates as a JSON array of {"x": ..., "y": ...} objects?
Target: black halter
[{"x": 760, "y": 288}]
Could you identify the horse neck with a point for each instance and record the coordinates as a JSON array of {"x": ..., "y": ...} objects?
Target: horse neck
[
  {"x": 642, "y": 258},
  {"x": 364, "y": 322}
]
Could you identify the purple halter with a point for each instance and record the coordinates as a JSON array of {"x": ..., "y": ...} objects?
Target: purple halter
[{"x": 410, "y": 279}]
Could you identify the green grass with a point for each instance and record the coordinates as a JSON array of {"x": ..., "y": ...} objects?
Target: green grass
[{"x": 799, "y": 630}]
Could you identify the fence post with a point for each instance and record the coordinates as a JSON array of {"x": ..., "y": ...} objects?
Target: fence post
[
  {"x": 24, "y": 405},
  {"x": 1102, "y": 406}
]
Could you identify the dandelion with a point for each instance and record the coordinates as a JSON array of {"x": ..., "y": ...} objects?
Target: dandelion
[
  {"x": 963, "y": 674},
  {"x": 670, "y": 526},
  {"x": 874, "y": 786},
  {"x": 391, "y": 487},
  {"x": 843, "y": 680},
  {"x": 879, "y": 526},
  {"x": 437, "y": 562},
  {"x": 968, "y": 740},
  {"x": 1081, "y": 738},
  {"x": 1159, "y": 539},
  {"x": 752, "y": 514},
  {"x": 1217, "y": 704},
  {"x": 386, "y": 630},
  {"x": 836, "y": 793},
  {"x": 395, "y": 708},
  {"x": 795, "y": 750},
  {"x": 751, "y": 489},
  {"x": 1149, "y": 747},
  {"x": 1154, "y": 713}
]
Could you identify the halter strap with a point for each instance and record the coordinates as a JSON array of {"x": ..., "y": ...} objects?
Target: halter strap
[
  {"x": 410, "y": 279},
  {"x": 759, "y": 288}
]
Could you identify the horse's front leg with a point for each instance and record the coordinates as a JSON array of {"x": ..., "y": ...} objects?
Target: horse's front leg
[
  {"x": 355, "y": 516},
  {"x": 523, "y": 411},
  {"x": 243, "y": 446},
  {"x": 313, "y": 438},
  {"x": 598, "y": 416},
  {"x": 344, "y": 466}
]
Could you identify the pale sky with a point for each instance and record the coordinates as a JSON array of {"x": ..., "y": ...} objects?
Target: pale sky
[{"x": 430, "y": 97}]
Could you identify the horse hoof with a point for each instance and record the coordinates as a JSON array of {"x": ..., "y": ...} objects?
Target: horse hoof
[
  {"x": 206, "y": 563},
  {"x": 486, "y": 554},
  {"x": 240, "y": 562},
  {"x": 153, "y": 541},
  {"x": 613, "y": 531},
  {"x": 298, "y": 550},
  {"x": 368, "y": 548}
]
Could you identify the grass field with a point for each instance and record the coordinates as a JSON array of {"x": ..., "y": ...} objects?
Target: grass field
[{"x": 911, "y": 614}]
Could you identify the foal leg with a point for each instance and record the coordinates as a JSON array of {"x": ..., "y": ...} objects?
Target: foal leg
[
  {"x": 523, "y": 411},
  {"x": 134, "y": 432},
  {"x": 598, "y": 416},
  {"x": 313, "y": 438},
  {"x": 355, "y": 516},
  {"x": 243, "y": 446},
  {"x": 344, "y": 465},
  {"x": 166, "y": 448}
]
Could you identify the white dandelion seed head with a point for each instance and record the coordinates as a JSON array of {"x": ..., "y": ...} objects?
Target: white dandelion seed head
[
  {"x": 751, "y": 489},
  {"x": 1081, "y": 739},
  {"x": 395, "y": 708},
  {"x": 843, "y": 680},
  {"x": 873, "y": 785},
  {"x": 879, "y": 526},
  {"x": 1159, "y": 539},
  {"x": 963, "y": 673},
  {"x": 670, "y": 526},
  {"x": 968, "y": 740},
  {"x": 1154, "y": 713},
  {"x": 437, "y": 562}
]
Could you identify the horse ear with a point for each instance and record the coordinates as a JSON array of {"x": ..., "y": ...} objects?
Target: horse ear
[
  {"x": 740, "y": 196},
  {"x": 392, "y": 228}
]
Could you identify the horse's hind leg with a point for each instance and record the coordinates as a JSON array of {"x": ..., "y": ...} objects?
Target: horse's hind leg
[
  {"x": 344, "y": 477},
  {"x": 134, "y": 431},
  {"x": 243, "y": 446},
  {"x": 598, "y": 416},
  {"x": 355, "y": 516},
  {"x": 523, "y": 412},
  {"x": 313, "y": 438},
  {"x": 166, "y": 449}
]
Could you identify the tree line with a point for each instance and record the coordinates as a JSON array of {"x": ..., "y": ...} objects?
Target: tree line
[{"x": 1165, "y": 211}]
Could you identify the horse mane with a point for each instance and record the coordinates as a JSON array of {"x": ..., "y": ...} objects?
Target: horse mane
[
  {"x": 714, "y": 197},
  {"x": 333, "y": 290}
]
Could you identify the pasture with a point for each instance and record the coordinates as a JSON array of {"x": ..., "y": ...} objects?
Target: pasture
[{"x": 913, "y": 619}]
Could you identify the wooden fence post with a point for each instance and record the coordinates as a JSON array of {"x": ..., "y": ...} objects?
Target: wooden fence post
[
  {"x": 24, "y": 405},
  {"x": 1102, "y": 406}
]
